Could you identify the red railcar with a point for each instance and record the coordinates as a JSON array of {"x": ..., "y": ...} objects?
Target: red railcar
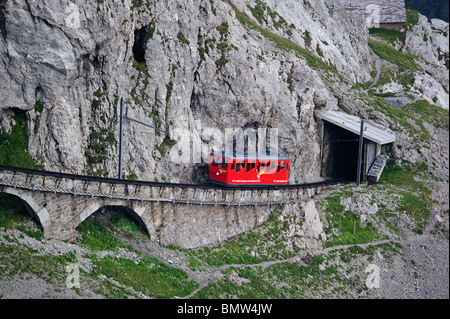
[{"x": 232, "y": 170}]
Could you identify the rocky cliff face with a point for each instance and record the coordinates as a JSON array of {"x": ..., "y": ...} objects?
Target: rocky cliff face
[{"x": 196, "y": 65}]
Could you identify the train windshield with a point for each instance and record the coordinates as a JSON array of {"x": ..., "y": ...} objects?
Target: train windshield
[{"x": 215, "y": 160}]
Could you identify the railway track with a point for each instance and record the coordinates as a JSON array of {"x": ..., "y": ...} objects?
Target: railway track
[
  {"x": 85, "y": 178},
  {"x": 176, "y": 193}
]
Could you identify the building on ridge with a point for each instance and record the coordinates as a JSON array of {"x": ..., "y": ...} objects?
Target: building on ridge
[{"x": 388, "y": 14}]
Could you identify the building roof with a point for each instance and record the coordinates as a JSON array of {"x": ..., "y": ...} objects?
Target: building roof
[
  {"x": 391, "y": 11},
  {"x": 353, "y": 124}
]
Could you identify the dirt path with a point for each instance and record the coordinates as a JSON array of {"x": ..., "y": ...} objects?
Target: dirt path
[{"x": 398, "y": 288}]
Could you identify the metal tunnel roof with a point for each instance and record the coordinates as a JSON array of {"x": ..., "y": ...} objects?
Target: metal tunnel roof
[{"x": 353, "y": 124}]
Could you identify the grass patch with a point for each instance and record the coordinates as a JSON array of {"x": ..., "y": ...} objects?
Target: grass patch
[
  {"x": 280, "y": 281},
  {"x": 287, "y": 45},
  {"x": 13, "y": 215},
  {"x": 97, "y": 237},
  {"x": 350, "y": 229},
  {"x": 430, "y": 113},
  {"x": 416, "y": 199},
  {"x": 418, "y": 112},
  {"x": 388, "y": 35},
  {"x": 148, "y": 276},
  {"x": 182, "y": 38},
  {"x": 250, "y": 248},
  {"x": 231, "y": 252},
  {"x": 140, "y": 66},
  {"x": 17, "y": 261},
  {"x": 124, "y": 224},
  {"x": 166, "y": 144},
  {"x": 406, "y": 63},
  {"x": 13, "y": 146},
  {"x": 412, "y": 19}
]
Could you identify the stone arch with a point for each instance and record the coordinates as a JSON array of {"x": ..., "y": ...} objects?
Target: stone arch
[
  {"x": 37, "y": 213},
  {"x": 133, "y": 213}
]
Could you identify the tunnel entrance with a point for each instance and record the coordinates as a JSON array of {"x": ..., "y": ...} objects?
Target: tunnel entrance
[
  {"x": 342, "y": 148},
  {"x": 340, "y": 135}
]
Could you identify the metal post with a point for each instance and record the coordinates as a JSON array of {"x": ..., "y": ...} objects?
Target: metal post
[
  {"x": 120, "y": 138},
  {"x": 361, "y": 138}
]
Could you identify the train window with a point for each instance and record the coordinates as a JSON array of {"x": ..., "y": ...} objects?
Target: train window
[
  {"x": 280, "y": 166},
  {"x": 272, "y": 165},
  {"x": 240, "y": 166},
  {"x": 215, "y": 161},
  {"x": 258, "y": 167},
  {"x": 250, "y": 166},
  {"x": 233, "y": 164},
  {"x": 224, "y": 163},
  {"x": 261, "y": 166}
]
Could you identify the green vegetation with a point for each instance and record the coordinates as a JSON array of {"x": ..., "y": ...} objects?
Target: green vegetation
[
  {"x": 285, "y": 280},
  {"x": 38, "y": 107},
  {"x": 13, "y": 146},
  {"x": 415, "y": 198},
  {"x": 96, "y": 237},
  {"x": 412, "y": 19},
  {"x": 149, "y": 276},
  {"x": 308, "y": 39},
  {"x": 404, "y": 61},
  {"x": 131, "y": 177},
  {"x": 264, "y": 244},
  {"x": 445, "y": 57},
  {"x": 222, "y": 45},
  {"x": 13, "y": 215},
  {"x": 169, "y": 88},
  {"x": 124, "y": 224},
  {"x": 140, "y": 66},
  {"x": 182, "y": 38},
  {"x": 97, "y": 101},
  {"x": 99, "y": 142},
  {"x": 259, "y": 13},
  {"x": 17, "y": 260},
  {"x": 146, "y": 275},
  {"x": 348, "y": 224},
  {"x": 166, "y": 144},
  {"x": 388, "y": 35},
  {"x": 418, "y": 112},
  {"x": 424, "y": 111},
  {"x": 287, "y": 45}
]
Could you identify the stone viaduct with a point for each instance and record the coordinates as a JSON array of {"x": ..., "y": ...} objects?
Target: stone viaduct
[{"x": 183, "y": 215}]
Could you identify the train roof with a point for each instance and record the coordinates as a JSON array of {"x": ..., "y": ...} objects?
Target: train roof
[{"x": 254, "y": 156}]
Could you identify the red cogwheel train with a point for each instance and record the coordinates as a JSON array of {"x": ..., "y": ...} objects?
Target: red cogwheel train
[{"x": 248, "y": 170}]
